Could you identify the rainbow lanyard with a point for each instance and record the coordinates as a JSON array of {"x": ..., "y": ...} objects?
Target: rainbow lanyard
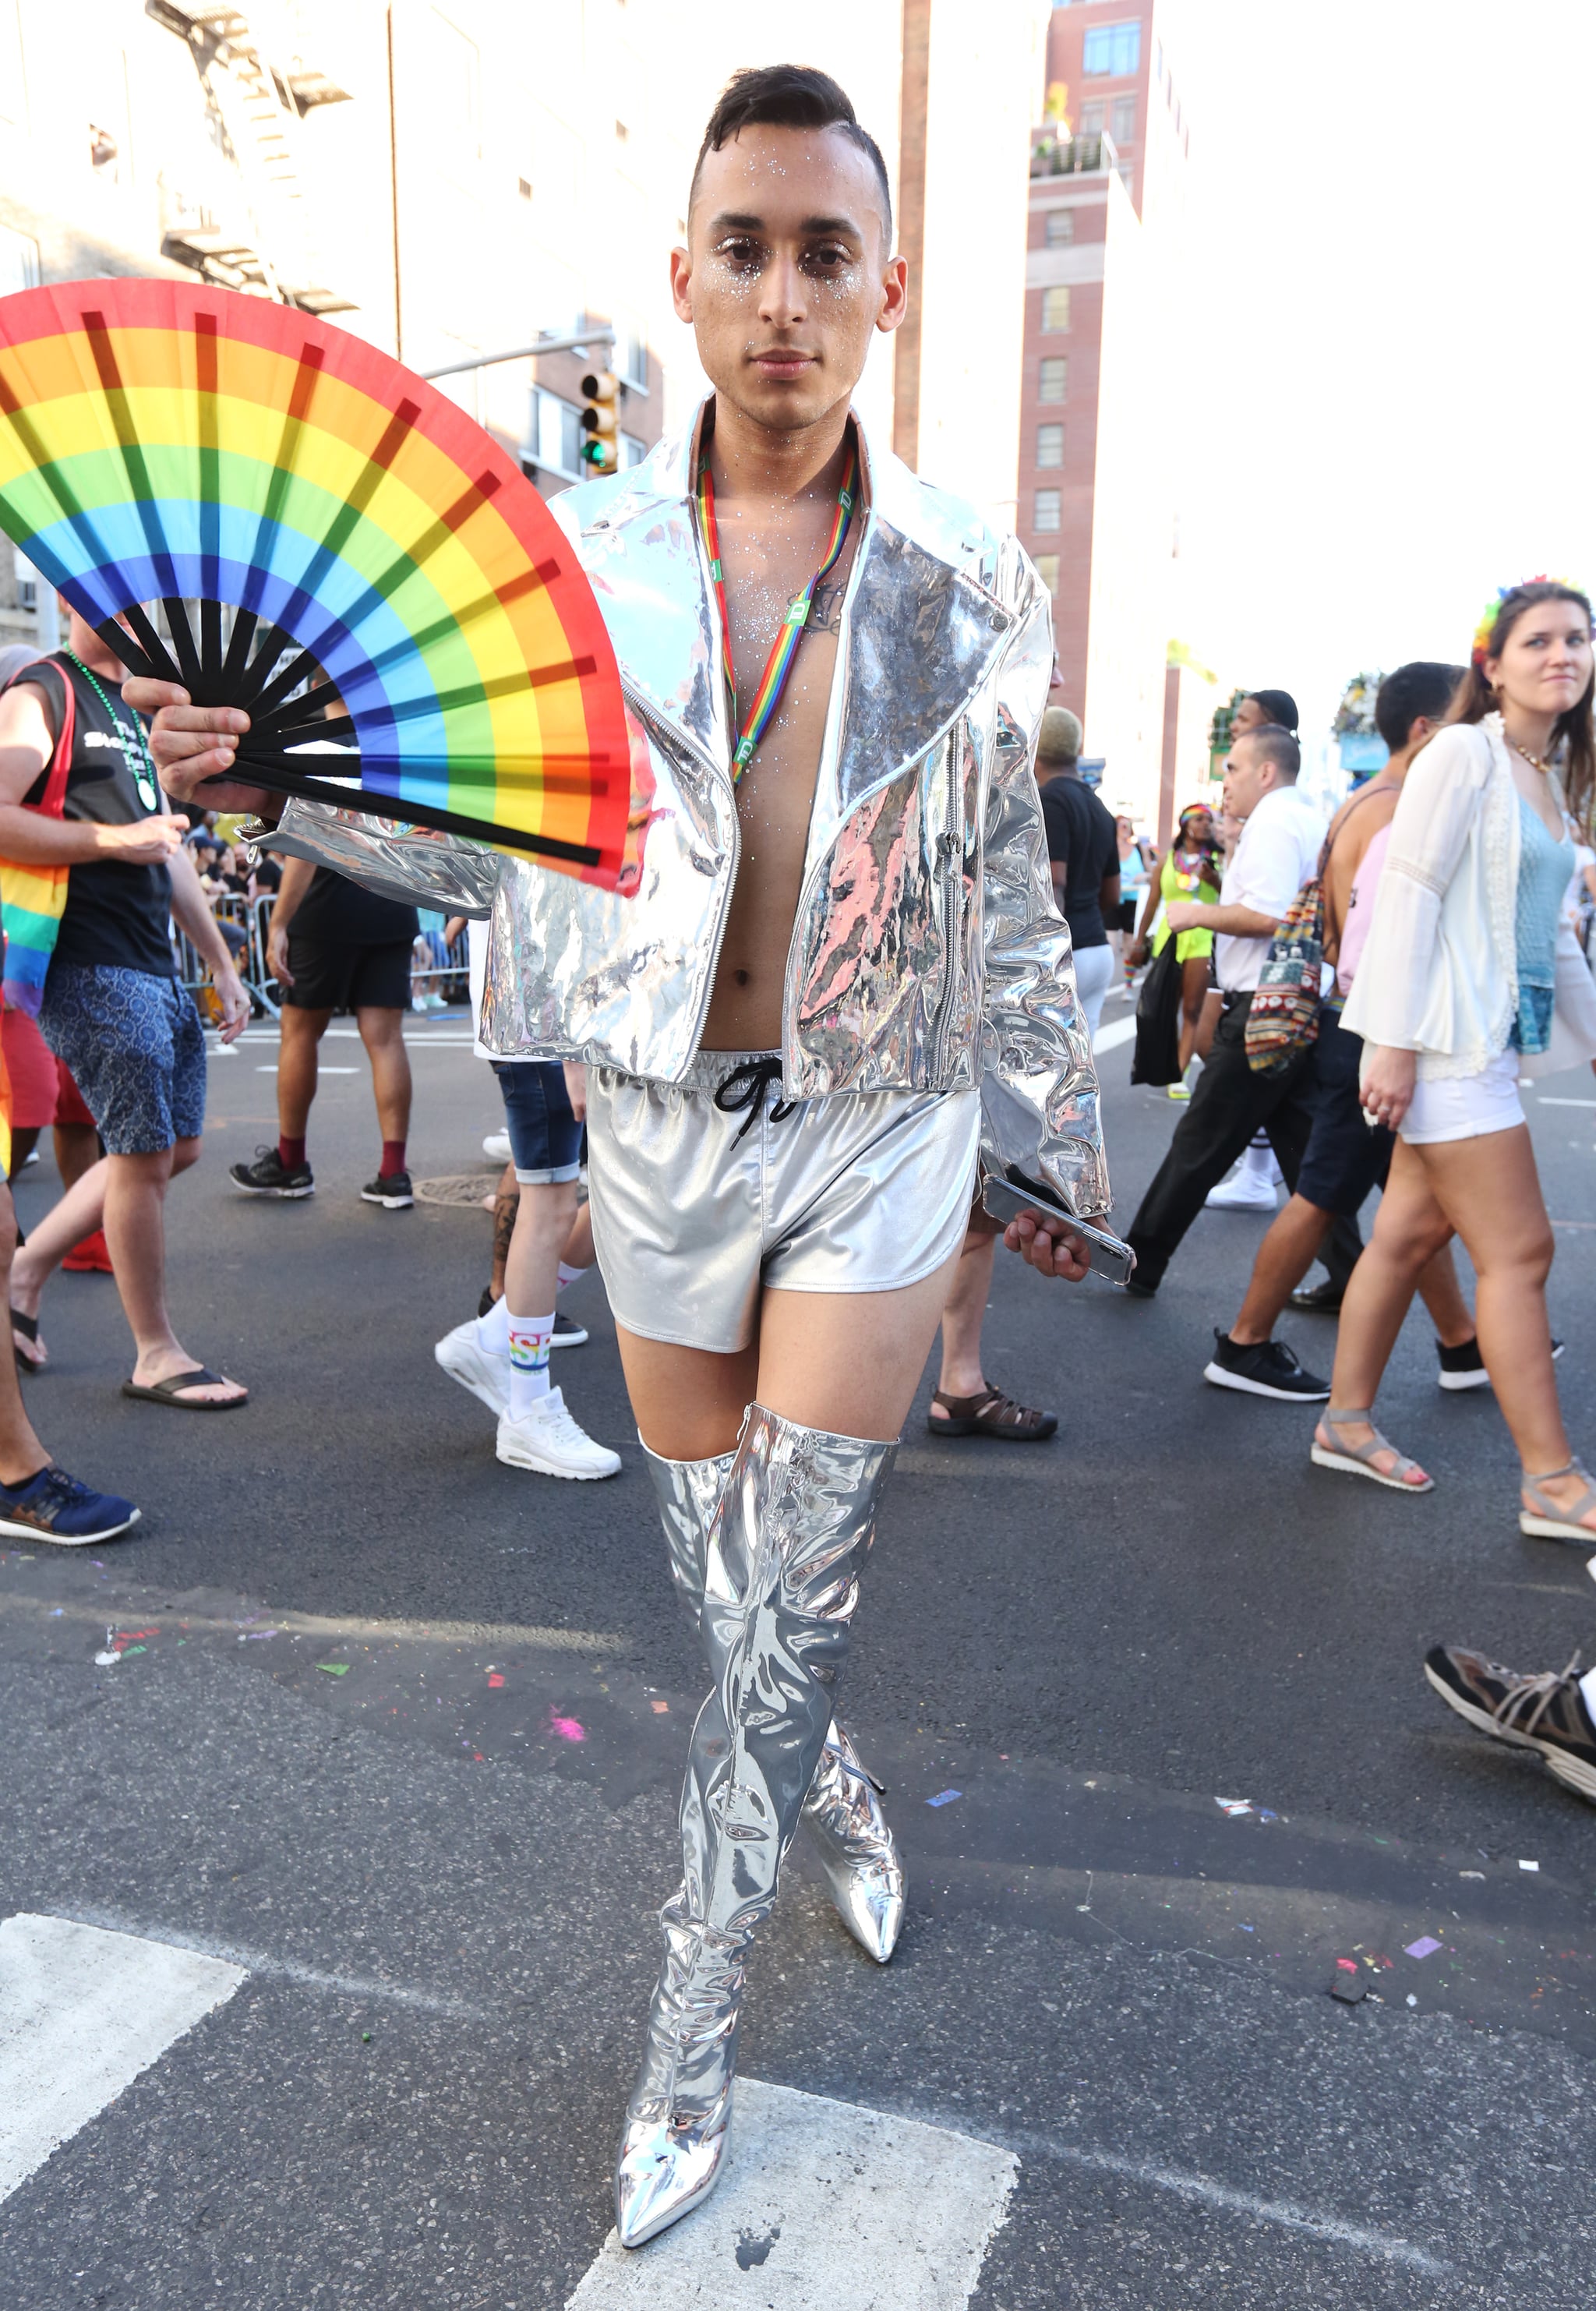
[{"x": 784, "y": 649}]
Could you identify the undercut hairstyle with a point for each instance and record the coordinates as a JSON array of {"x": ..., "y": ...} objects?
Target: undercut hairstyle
[
  {"x": 789, "y": 96},
  {"x": 1279, "y": 706},
  {"x": 1574, "y": 732},
  {"x": 1275, "y": 745},
  {"x": 1422, "y": 686}
]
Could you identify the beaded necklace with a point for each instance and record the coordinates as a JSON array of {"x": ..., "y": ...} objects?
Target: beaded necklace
[{"x": 142, "y": 765}]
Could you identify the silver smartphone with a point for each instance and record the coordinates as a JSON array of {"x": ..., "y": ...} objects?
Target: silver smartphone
[{"x": 1005, "y": 1201}]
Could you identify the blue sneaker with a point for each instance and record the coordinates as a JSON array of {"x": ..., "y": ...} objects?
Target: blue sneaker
[{"x": 54, "y": 1506}]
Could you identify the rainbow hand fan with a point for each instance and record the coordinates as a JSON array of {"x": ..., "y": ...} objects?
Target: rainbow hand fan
[{"x": 163, "y": 443}]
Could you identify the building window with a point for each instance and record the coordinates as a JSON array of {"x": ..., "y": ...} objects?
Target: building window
[
  {"x": 556, "y": 434},
  {"x": 1050, "y": 445},
  {"x": 1049, "y": 506},
  {"x": 1060, "y": 228},
  {"x": 633, "y": 450},
  {"x": 1091, "y": 120},
  {"x": 1112, "y": 51},
  {"x": 1126, "y": 173},
  {"x": 1053, "y": 384},
  {"x": 1123, "y": 126},
  {"x": 629, "y": 356},
  {"x": 1055, "y": 310},
  {"x": 1046, "y": 569}
]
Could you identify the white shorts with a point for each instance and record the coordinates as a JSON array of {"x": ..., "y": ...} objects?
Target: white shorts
[
  {"x": 1465, "y": 1107},
  {"x": 695, "y": 1209}
]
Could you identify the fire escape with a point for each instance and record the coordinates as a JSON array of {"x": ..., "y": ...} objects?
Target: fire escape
[{"x": 267, "y": 246}]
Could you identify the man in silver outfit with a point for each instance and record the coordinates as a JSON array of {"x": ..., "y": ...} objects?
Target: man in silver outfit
[{"x": 839, "y": 994}]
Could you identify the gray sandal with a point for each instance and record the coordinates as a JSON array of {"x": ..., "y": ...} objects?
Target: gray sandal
[
  {"x": 1359, "y": 1459},
  {"x": 1547, "y": 1521}
]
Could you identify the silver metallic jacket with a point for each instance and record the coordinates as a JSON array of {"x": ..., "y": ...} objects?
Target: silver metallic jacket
[{"x": 927, "y": 953}]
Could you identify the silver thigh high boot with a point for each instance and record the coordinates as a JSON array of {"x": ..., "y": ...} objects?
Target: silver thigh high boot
[
  {"x": 781, "y": 1582},
  {"x": 842, "y": 1812}
]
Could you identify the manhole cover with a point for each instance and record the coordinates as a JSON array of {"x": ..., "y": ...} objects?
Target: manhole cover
[{"x": 466, "y": 1190}]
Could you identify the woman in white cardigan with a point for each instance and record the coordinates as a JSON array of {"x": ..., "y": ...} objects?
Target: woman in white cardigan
[{"x": 1470, "y": 976}]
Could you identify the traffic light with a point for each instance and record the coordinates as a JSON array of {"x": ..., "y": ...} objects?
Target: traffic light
[{"x": 600, "y": 449}]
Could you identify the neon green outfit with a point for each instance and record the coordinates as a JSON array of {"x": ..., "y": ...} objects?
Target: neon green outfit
[{"x": 1177, "y": 882}]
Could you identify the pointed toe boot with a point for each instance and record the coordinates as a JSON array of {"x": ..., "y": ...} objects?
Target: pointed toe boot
[
  {"x": 793, "y": 1524},
  {"x": 856, "y": 1848}
]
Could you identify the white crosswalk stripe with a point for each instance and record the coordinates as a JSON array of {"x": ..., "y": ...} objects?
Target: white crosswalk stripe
[
  {"x": 821, "y": 2203},
  {"x": 81, "y": 2014}
]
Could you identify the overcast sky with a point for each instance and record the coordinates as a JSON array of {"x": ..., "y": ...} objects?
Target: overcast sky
[{"x": 1391, "y": 219}]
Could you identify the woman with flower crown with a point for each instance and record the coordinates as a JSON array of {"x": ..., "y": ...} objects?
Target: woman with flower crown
[{"x": 1471, "y": 977}]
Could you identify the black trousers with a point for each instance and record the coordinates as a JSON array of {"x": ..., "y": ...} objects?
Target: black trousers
[{"x": 1229, "y": 1107}]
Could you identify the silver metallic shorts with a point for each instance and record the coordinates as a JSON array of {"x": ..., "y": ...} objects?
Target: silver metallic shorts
[{"x": 696, "y": 1207}]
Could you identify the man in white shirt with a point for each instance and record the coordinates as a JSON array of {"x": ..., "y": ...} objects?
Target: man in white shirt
[{"x": 1277, "y": 851}]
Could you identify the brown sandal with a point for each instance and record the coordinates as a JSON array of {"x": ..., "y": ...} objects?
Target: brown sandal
[{"x": 991, "y": 1414}]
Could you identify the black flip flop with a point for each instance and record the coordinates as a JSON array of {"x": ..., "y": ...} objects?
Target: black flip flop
[
  {"x": 28, "y": 1326},
  {"x": 165, "y": 1391}
]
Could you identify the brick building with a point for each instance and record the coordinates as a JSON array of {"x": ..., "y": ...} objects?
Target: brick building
[{"x": 1096, "y": 482}]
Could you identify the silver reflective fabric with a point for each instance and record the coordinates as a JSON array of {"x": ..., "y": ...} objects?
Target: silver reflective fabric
[
  {"x": 927, "y": 954},
  {"x": 781, "y": 1583},
  {"x": 696, "y": 1210},
  {"x": 842, "y": 1812}
]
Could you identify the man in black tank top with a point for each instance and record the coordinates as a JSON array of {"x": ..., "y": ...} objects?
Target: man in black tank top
[{"x": 111, "y": 1007}]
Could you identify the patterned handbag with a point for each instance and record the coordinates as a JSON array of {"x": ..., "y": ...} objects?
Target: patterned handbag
[
  {"x": 33, "y": 898},
  {"x": 1284, "y": 1019}
]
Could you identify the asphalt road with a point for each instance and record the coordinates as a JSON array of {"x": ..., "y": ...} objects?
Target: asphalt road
[{"x": 398, "y": 1732}]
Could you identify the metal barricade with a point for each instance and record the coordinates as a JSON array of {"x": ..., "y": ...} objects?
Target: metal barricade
[{"x": 248, "y": 949}]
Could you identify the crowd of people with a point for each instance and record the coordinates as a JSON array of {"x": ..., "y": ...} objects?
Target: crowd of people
[{"x": 789, "y": 1189}]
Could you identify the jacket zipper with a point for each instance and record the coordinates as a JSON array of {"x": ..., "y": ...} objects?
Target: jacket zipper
[{"x": 647, "y": 713}]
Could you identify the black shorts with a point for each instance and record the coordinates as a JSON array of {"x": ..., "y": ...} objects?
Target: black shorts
[
  {"x": 331, "y": 975},
  {"x": 1344, "y": 1160}
]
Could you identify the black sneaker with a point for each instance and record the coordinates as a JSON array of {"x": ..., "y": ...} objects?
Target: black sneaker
[
  {"x": 567, "y": 1332},
  {"x": 269, "y": 1175},
  {"x": 1318, "y": 1299},
  {"x": 1266, "y": 1368},
  {"x": 54, "y": 1506},
  {"x": 394, "y": 1192},
  {"x": 1545, "y": 1712},
  {"x": 1464, "y": 1368}
]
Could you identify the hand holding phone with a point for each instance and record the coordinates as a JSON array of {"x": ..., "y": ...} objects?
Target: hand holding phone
[{"x": 1007, "y": 1200}]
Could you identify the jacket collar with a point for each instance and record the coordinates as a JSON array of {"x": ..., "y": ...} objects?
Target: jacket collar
[{"x": 921, "y": 623}]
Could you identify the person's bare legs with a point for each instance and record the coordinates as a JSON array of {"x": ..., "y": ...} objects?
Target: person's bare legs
[
  {"x": 1289, "y": 1249},
  {"x": 537, "y": 1244},
  {"x": 299, "y": 1033},
  {"x": 70, "y": 1218},
  {"x": 1490, "y": 1189},
  {"x": 21, "y": 1455},
  {"x": 506, "y": 1205},
  {"x": 846, "y": 1362},
  {"x": 578, "y": 1244},
  {"x": 965, "y": 1313},
  {"x": 1442, "y": 1295},
  {"x": 135, "y": 1230},
  {"x": 382, "y": 1031},
  {"x": 1194, "y": 991},
  {"x": 77, "y": 1150},
  {"x": 1409, "y": 1229}
]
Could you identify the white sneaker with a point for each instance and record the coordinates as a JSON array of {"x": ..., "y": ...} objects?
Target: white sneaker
[
  {"x": 1250, "y": 1187},
  {"x": 548, "y": 1439},
  {"x": 497, "y": 1146},
  {"x": 463, "y": 1358}
]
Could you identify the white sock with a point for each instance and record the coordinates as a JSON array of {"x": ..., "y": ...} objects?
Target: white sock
[
  {"x": 1259, "y": 1163},
  {"x": 565, "y": 1275},
  {"x": 1587, "y": 1686},
  {"x": 529, "y": 1338},
  {"x": 493, "y": 1330}
]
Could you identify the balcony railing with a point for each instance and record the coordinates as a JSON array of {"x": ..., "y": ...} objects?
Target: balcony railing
[{"x": 1071, "y": 156}]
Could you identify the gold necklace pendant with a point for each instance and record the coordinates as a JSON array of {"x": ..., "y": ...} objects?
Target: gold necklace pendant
[{"x": 1534, "y": 761}]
